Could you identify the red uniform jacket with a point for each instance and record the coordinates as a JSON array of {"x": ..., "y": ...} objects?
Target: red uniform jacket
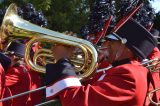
[
  {"x": 102, "y": 65},
  {"x": 18, "y": 80},
  {"x": 2, "y": 82},
  {"x": 123, "y": 85},
  {"x": 35, "y": 83},
  {"x": 35, "y": 98},
  {"x": 4, "y": 91}
]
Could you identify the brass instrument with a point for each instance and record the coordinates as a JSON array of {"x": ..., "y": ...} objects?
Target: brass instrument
[
  {"x": 150, "y": 98},
  {"x": 44, "y": 56},
  {"x": 153, "y": 66},
  {"x": 15, "y": 27},
  {"x": 40, "y": 57}
]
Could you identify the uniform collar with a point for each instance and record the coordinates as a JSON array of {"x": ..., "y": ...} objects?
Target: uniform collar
[{"x": 125, "y": 61}]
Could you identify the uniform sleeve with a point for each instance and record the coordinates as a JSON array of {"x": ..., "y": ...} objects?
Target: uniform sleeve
[
  {"x": 154, "y": 54},
  {"x": 117, "y": 87},
  {"x": 1, "y": 81},
  {"x": 12, "y": 77}
]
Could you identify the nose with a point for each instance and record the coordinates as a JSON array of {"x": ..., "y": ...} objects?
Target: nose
[{"x": 103, "y": 48}]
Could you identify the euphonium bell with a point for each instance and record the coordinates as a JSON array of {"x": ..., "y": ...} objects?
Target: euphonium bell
[{"x": 15, "y": 27}]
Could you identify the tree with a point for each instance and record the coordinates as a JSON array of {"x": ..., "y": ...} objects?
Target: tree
[
  {"x": 62, "y": 15},
  {"x": 68, "y": 14}
]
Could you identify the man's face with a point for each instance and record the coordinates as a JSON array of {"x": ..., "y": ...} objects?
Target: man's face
[
  {"x": 61, "y": 51},
  {"x": 112, "y": 50}
]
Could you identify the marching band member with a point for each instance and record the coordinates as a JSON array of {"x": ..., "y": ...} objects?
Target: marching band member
[
  {"x": 124, "y": 84},
  {"x": 17, "y": 77},
  {"x": 20, "y": 78}
]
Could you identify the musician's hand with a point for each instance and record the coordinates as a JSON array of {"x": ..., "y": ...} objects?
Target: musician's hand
[{"x": 63, "y": 68}]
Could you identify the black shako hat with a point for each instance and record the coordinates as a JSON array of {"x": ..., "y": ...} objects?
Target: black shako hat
[
  {"x": 137, "y": 38},
  {"x": 16, "y": 48},
  {"x": 156, "y": 34}
]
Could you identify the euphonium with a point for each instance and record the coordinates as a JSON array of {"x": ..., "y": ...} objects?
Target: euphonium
[{"x": 15, "y": 27}]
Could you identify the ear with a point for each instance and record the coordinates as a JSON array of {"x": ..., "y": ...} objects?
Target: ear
[{"x": 121, "y": 50}]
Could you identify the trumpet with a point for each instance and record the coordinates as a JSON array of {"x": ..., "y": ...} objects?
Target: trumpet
[
  {"x": 152, "y": 65},
  {"x": 14, "y": 27}
]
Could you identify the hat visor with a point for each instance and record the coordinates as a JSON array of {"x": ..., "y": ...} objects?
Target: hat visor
[{"x": 111, "y": 37}]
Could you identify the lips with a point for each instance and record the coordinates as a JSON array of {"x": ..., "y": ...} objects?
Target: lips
[{"x": 106, "y": 53}]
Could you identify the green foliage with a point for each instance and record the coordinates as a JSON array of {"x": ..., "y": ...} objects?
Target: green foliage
[
  {"x": 43, "y": 5},
  {"x": 62, "y": 15},
  {"x": 68, "y": 14}
]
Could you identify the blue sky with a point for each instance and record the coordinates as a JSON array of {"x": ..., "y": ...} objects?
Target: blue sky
[{"x": 156, "y": 5}]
